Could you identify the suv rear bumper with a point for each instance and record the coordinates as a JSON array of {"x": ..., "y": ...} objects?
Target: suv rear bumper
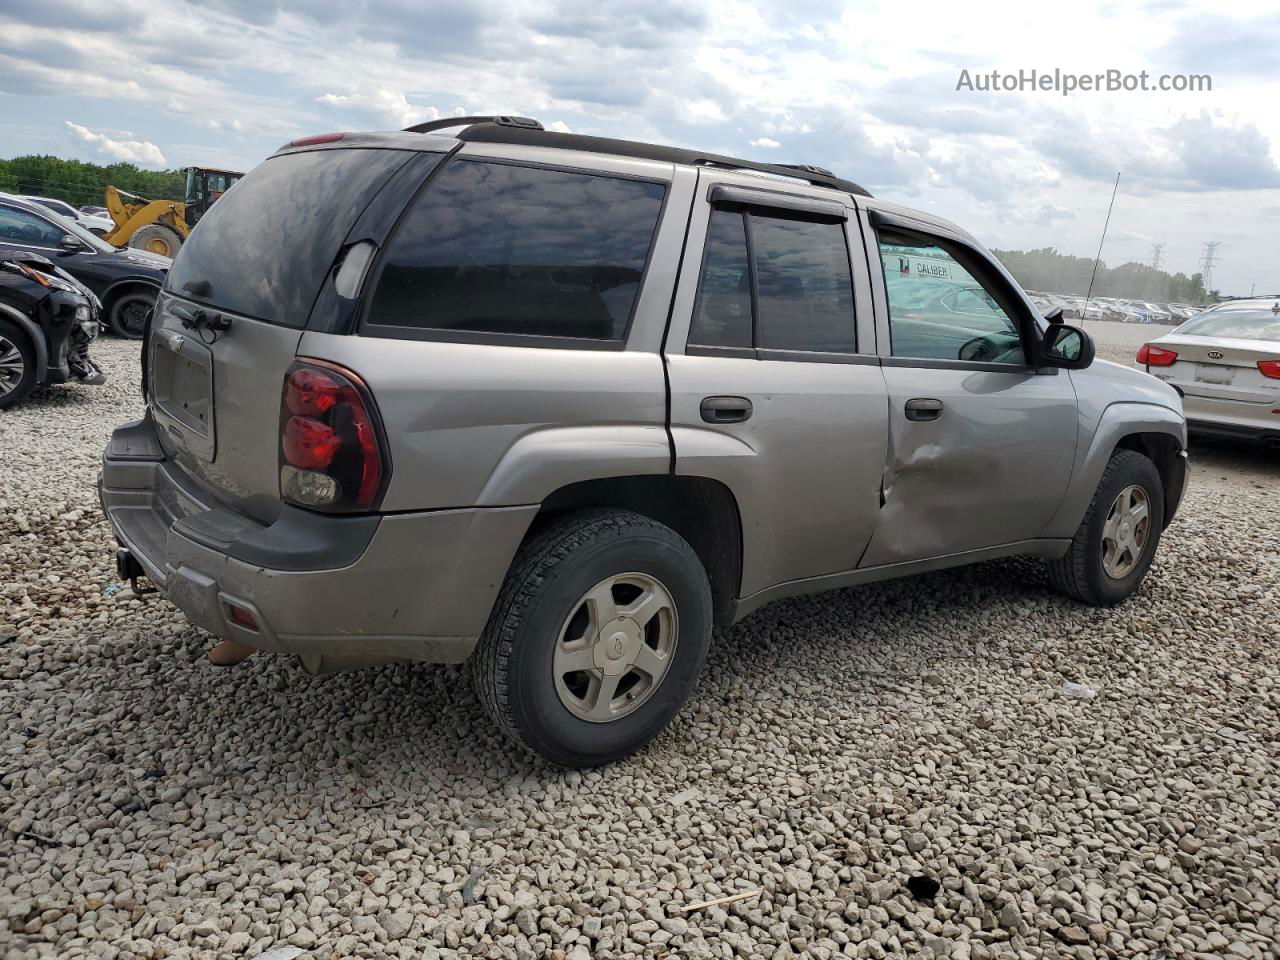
[{"x": 340, "y": 592}]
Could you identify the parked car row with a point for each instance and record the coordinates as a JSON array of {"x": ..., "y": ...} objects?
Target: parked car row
[
  {"x": 125, "y": 280},
  {"x": 1111, "y": 308}
]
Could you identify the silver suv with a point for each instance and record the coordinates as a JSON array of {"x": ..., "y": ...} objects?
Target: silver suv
[{"x": 558, "y": 405}]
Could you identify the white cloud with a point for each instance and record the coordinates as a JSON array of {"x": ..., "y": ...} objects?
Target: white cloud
[
  {"x": 388, "y": 105},
  {"x": 766, "y": 142},
  {"x": 142, "y": 152}
]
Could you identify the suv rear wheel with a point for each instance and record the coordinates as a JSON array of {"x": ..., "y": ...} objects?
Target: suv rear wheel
[
  {"x": 597, "y": 637},
  {"x": 1117, "y": 539}
]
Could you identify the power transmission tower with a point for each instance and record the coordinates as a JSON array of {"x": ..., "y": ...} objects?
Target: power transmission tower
[
  {"x": 1157, "y": 256},
  {"x": 1207, "y": 259}
]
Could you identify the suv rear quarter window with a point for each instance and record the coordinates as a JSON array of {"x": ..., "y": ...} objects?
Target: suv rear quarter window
[{"x": 493, "y": 248}]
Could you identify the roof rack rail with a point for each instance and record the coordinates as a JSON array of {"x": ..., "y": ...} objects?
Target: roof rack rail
[
  {"x": 807, "y": 168},
  {"x": 531, "y": 133},
  {"x": 522, "y": 123}
]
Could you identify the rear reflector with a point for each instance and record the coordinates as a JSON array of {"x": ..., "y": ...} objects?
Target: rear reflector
[
  {"x": 1156, "y": 356},
  {"x": 1270, "y": 368},
  {"x": 316, "y": 138},
  {"x": 242, "y": 616}
]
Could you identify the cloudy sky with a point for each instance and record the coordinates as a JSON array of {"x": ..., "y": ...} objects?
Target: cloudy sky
[{"x": 868, "y": 89}]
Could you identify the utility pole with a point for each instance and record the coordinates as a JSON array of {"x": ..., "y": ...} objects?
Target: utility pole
[
  {"x": 1157, "y": 256},
  {"x": 1207, "y": 259}
]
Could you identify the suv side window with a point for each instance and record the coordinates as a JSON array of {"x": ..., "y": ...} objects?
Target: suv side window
[
  {"x": 499, "y": 248},
  {"x": 774, "y": 280},
  {"x": 19, "y": 226},
  {"x": 939, "y": 310}
]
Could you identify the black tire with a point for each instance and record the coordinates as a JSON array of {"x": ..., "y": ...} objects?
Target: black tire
[
  {"x": 1079, "y": 573},
  {"x": 17, "y": 347},
  {"x": 156, "y": 235},
  {"x": 127, "y": 315},
  {"x": 512, "y": 667}
]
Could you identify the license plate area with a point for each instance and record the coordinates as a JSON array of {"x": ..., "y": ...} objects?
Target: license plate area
[
  {"x": 182, "y": 390},
  {"x": 1214, "y": 373}
]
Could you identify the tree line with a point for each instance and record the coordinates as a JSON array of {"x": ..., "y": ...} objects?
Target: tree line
[
  {"x": 80, "y": 183},
  {"x": 1049, "y": 271}
]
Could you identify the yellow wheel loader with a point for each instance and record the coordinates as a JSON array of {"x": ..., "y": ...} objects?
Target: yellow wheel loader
[{"x": 160, "y": 226}]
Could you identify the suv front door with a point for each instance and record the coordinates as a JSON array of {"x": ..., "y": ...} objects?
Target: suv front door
[
  {"x": 775, "y": 387},
  {"x": 981, "y": 443}
]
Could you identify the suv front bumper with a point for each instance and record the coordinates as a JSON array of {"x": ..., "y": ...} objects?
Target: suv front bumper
[{"x": 339, "y": 591}]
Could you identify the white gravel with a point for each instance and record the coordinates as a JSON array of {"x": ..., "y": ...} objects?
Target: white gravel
[{"x": 152, "y": 805}]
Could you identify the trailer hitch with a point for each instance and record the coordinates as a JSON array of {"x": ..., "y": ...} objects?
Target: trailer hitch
[{"x": 128, "y": 568}]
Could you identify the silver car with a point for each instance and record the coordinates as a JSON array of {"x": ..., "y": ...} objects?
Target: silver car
[
  {"x": 1226, "y": 364},
  {"x": 557, "y": 405}
]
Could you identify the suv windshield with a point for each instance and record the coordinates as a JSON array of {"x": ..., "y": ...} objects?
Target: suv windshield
[
  {"x": 1255, "y": 323},
  {"x": 265, "y": 247}
]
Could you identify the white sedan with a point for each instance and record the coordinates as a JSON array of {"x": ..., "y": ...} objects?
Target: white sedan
[
  {"x": 1226, "y": 364},
  {"x": 95, "y": 224}
]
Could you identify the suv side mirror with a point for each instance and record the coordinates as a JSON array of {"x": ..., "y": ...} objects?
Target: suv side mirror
[
  {"x": 1066, "y": 346},
  {"x": 70, "y": 243}
]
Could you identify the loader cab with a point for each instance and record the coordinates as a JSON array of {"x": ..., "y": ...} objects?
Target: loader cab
[{"x": 204, "y": 186}]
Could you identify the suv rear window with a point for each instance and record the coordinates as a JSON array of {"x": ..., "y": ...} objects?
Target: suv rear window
[
  {"x": 266, "y": 245},
  {"x": 499, "y": 248}
]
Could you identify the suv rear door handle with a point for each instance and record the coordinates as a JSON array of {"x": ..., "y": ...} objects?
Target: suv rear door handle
[
  {"x": 725, "y": 409},
  {"x": 924, "y": 408}
]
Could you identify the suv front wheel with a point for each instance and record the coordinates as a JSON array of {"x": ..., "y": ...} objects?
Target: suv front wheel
[
  {"x": 597, "y": 637},
  {"x": 1117, "y": 539}
]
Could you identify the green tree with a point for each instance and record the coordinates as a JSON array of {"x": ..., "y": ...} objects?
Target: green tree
[
  {"x": 80, "y": 183},
  {"x": 1049, "y": 271}
]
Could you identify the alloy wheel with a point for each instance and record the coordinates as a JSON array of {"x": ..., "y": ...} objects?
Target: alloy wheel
[
  {"x": 12, "y": 366},
  {"x": 1126, "y": 531},
  {"x": 615, "y": 647}
]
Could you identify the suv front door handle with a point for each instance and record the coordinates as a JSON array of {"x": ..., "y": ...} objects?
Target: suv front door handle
[
  {"x": 725, "y": 409},
  {"x": 924, "y": 409}
]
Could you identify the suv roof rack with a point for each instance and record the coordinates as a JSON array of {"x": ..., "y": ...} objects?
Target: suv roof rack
[
  {"x": 529, "y": 132},
  {"x": 522, "y": 123}
]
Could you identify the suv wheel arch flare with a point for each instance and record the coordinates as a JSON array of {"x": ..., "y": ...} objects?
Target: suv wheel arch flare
[{"x": 333, "y": 449}]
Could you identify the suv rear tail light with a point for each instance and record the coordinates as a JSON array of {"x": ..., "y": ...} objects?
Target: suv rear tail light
[
  {"x": 1156, "y": 356},
  {"x": 1270, "y": 368},
  {"x": 333, "y": 452}
]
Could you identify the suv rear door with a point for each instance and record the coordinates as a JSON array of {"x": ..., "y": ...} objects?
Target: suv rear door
[
  {"x": 776, "y": 389},
  {"x": 257, "y": 261},
  {"x": 981, "y": 443}
]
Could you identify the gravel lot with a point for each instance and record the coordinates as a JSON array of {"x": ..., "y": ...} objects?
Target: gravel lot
[{"x": 152, "y": 805}]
